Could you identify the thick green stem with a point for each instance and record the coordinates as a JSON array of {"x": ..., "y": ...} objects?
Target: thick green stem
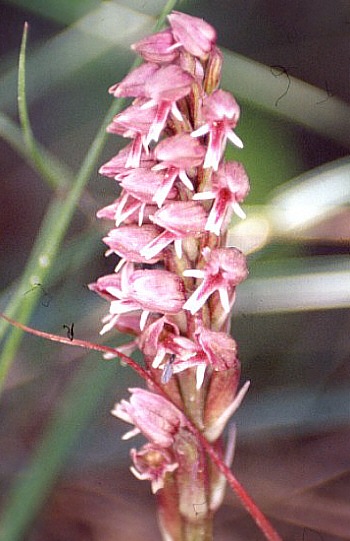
[{"x": 199, "y": 531}]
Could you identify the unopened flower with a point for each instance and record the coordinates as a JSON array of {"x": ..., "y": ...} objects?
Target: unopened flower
[
  {"x": 191, "y": 476},
  {"x": 220, "y": 113},
  {"x": 157, "y": 418},
  {"x": 128, "y": 240},
  {"x": 157, "y": 47},
  {"x": 224, "y": 269},
  {"x": 214, "y": 430},
  {"x": 133, "y": 85},
  {"x": 213, "y": 71},
  {"x": 195, "y": 35}
]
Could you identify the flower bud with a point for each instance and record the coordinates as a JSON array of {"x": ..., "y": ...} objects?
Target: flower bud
[
  {"x": 157, "y": 290},
  {"x": 128, "y": 240},
  {"x": 213, "y": 71},
  {"x": 194, "y": 34},
  {"x": 157, "y": 47},
  {"x": 133, "y": 85},
  {"x": 152, "y": 415}
]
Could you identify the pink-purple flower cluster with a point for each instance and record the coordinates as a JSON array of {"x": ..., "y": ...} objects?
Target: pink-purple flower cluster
[{"x": 175, "y": 282}]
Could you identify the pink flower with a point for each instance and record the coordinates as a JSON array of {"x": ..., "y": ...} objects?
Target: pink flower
[
  {"x": 108, "y": 286},
  {"x": 220, "y": 114},
  {"x": 128, "y": 240},
  {"x": 118, "y": 164},
  {"x": 157, "y": 418},
  {"x": 163, "y": 86},
  {"x": 230, "y": 185},
  {"x": 152, "y": 462},
  {"x": 179, "y": 151},
  {"x": 219, "y": 347},
  {"x": 143, "y": 183},
  {"x": 224, "y": 269},
  {"x": 177, "y": 154},
  {"x": 122, "y": 208},
  {"x": 127, "y": 209},
  {"x": 168, "y": 85},
  {"x": 157, "y": 47},
  {"x": 146, "y": 290},
  {"x": 161, "y": 339},
  {"x": 133, "y": 85},
  {"x": 195, "y": 35},
  {"x": 179, "y": 219},
  {"x": 135, "y": 123}
]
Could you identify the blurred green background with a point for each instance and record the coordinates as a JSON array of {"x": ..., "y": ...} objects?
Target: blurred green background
[{"x": 63, "y": 469}]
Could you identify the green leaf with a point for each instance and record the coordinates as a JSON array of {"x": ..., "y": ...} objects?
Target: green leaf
[
  {"x": 311, "y": 196},
  {"x": 304, "y": 104}
]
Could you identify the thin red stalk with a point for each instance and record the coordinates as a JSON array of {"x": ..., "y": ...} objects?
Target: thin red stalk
[
  {"x": 86, "y": 345},
  {"x": 259, "y": 518}
]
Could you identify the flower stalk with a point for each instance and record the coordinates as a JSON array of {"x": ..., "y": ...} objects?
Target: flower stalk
[{"x": 176, "y": 278}]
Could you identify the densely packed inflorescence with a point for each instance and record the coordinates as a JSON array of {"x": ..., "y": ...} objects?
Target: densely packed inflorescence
[{"x": 174, "y": 285}]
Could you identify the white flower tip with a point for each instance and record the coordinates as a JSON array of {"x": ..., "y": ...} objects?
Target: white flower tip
[
  {"x": 137, "y": 474},
  {"x": 235, "y": 139},
  {"x": 130, "y": 434},
  {"x": 224, "y": 299},
  {"x": 143, "y": 319},
  {"x": 200, "y": 373},
  {"x": 237, "y": 209},
  {"x": 157, "y": 360},
  {"x": 178, "y": 248}
]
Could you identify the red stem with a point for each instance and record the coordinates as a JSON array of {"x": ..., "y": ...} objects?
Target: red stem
[{"x": 260, "y": 519}]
